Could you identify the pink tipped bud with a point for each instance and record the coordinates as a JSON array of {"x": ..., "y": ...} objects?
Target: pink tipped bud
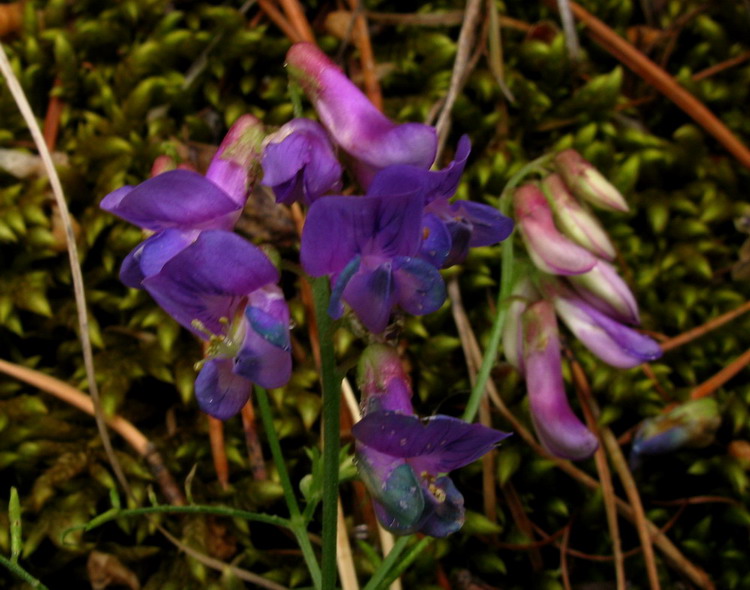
[
  {"x": 558, "y": 428},
  {"x": 575, "y": 220},
  {"x": 587, "y": 182},
  {"x": 383, "y": 381},
  {"x": 236, "y": 165},
  {"x": 603, "y": 288},
  {"x": 551, "y": 251},
  {"x": 372, "y": 139}
]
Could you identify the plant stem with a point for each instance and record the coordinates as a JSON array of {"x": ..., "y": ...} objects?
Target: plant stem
[
  {"x": 408, "y": 559},
  {"x": 387, "y": 564},
  {"x": 297, "y": 523},
  {"x": 331, "y": 426},
  {"x": 22, "y": 573},
  {"x": 506, "y": 286}
]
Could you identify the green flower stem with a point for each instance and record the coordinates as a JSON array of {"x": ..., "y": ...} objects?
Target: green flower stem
[
  {"x": 21, "y": 573},
  {"x": 506, "y": 287},
  {"x": 192, "y": 509},
  {"x": 297, "y": 523},
  {"x": 387, "y": 564},
  {"x": 331, "y": 434},
  {"x": 404, "y": 563}
]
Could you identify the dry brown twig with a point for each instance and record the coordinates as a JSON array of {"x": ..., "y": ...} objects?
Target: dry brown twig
[{"x": 662, "y": 81}]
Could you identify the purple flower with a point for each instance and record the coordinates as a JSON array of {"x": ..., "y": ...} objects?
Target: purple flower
[
  {"x": 369, "y": 247},
  {"x": 549, "y": 249},
  {"x": 223, "y": 289},
  {"x": 179, "y": 204},
  {"x": 355, "y": 124},
  {"x": 299, "y": 163},
  {"x": 449, "y": 229},
  {"x": 613, "y": 342},
  {"x": 404, "y": 459},
  {"x": 559, "y": 429}
]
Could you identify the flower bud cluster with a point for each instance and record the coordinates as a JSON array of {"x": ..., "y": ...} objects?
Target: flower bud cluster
[{"x": 576, "y": 282}]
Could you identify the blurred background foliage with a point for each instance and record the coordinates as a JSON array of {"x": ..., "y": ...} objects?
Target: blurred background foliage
[{"x": 134, "y": 79}]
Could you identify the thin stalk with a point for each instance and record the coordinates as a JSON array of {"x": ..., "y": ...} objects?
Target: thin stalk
[
  {"x": 21, "y": 573},
  {"x": 331, "y": 427},
  {"x": 387, "y": 564},
  {"x": 192, "y": 509},
  {"x": 506, "y": 287},
  {"x": 297, "y": 523},
  {"x": 408, "y": 559}
]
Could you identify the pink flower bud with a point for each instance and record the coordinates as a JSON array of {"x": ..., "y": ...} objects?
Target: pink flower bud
[
  {"x": 549, "y": 249},
  {"x": 558, "y": 428},
  {"x": 603, "y": 288},
  {"x": 575, "y": 220},
  {"x": 587, "y": 182}
]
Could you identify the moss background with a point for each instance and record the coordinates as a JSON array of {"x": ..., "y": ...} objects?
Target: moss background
[{"x": 138, "y": 78}]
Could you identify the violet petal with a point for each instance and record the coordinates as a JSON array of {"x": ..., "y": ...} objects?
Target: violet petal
[
  {"x": 209, "y": 279},
  {"x": 177, "y": 198},
  {"x": 220, "y": 392},
  {"x": 437, "y": 444}
]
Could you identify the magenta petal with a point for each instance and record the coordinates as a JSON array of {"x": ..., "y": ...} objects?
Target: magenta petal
[
  {"x": 549, "y": 249},
  {"x": 234, "y": 167},
  {"x": 220, "y": 392},
  {"x": 351, "y": 119},
  {"x": 559, "y": 429},
  {"x": 209, "y": 279},
  {"x": 437, "y": 444},
  {"x": 177, "y": 198}
]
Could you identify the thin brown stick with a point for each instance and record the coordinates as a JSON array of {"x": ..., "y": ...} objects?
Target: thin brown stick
[
  {"x": 344, "y": 558},
  {"x": 703, "y": 329},
  {"x": 254, "y": 449},
  {"x": 711, "y": 385},
  {"x": 662, "y": 81},
  {"x": 297, "y": 19},
  {"x": 52, "y": 118},
  {"x": 564, "y": 558},
  {"x": 720, "y": 67},
  {"x": 280, "y": 20},
  {"x": 438, "y": 19},
  {"x": 218, "y": 453},
  {"x": 134, "y": 437},
  {"x": 605, "y": 476},
  {"x": 639, "y": 515},
  {"x": 221, "y": 566},
  {"x": 626, "y": 477},
  {"x": 465, "y": 41},
  {"x": 366, "y": 54}
]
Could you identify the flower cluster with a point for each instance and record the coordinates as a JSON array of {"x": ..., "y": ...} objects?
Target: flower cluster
[
  {"x": 390, "y": 242},
  {"x": 577, "y": 282},
  {"x": 404, "y": 459},
  {"x": 212, "y": 281},
  {"x": 381, "y": 251}
]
